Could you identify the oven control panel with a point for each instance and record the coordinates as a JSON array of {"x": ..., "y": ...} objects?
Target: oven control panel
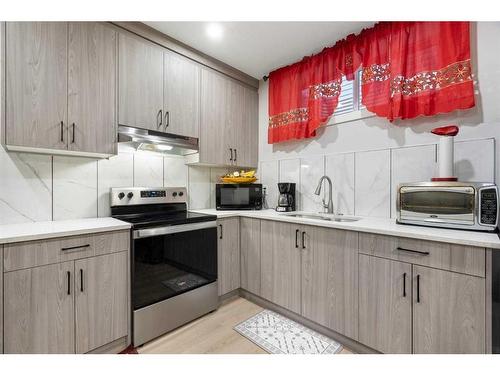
[{"x": 140, "y": 195}]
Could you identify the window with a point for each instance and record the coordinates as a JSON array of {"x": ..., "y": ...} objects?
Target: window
[{"x": 350, "y": 107}]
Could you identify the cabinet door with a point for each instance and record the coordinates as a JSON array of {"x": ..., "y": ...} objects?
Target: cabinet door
[
  {"x": 215, "y": 115},
  {"x": 250, "y": 254},
  {"x": 101, "y": 291},
  {"x": 181, "y": 95},
  {"x": 448, "y": 312},
  {"x": 140, "y": 83},
  {"x": 92, "y": 65},
  {"x": 228, "y": 255},
  {"x": 385, "y": 304},
  {"x": 330, "y": 279},
  {"x": 36, "y": 88},
  {"x": 248, "y": 132},
  {"x": 281, "y": 264},
  {"x": 1, "y": 299},
  {"x": 39, "y": 310}
]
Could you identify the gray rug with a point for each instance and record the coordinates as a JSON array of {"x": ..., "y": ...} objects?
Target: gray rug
[{"x": 277, "y": 334}]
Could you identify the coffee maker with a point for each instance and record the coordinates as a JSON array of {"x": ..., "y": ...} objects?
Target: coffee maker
[{"x": 286, "y": 199}]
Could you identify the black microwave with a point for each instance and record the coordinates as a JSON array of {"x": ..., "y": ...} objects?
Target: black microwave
[{"x": 238, "y": 196}]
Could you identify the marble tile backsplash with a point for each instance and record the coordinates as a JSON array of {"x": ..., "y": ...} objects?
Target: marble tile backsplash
[
  {"x": 43, "y": 187},
  {"x": 364, "y": 182}
]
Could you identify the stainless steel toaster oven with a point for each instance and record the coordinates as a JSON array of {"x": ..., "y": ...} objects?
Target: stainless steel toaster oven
[{"x": 461, "y": 205}]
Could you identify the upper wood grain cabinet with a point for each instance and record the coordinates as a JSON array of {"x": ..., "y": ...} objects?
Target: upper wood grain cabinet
[
  {"x": 228, "y": 125},
  {"x": 330, "y": 278},
  {"x": 181, "y": 93},
  {"x": 250, "y": 254},
  {"x": 228, "y": 255},
  {"x": 281, "y": 264},
  {"x": 92, "y": 64},
  {"x": 448, "y": 312},
  {"x": 61, "y": 87},
  {"x": 140, "y": 82},
  {"x": 385, "y": 305},
  {"x": 36, "y": 92}
]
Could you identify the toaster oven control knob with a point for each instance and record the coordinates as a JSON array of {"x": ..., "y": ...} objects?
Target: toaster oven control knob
[
  {"x": 130, "y": 195},
  {"x": 174, "y": 194},
  {"x": 181, "y": 193},
  {"x": 121, "y": 195}
]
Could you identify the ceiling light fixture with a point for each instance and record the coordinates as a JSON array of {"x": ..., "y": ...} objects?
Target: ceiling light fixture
[{"x": 215, "y": 31}]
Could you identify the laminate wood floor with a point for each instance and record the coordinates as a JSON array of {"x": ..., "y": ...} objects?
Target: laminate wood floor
[{"x": 212, "y": 333}]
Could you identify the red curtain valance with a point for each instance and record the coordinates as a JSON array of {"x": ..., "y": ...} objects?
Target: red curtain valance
[{"x": 408, "y": 69}]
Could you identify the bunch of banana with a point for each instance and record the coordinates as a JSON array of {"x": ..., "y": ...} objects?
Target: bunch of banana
[{"x": 248, "y": 174}]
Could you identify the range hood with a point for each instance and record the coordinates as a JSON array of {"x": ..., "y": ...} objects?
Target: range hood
[{"x": 151, "y": 140}]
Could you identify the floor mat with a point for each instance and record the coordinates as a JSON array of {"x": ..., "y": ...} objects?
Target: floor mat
[{"x": 277, "y": 334}]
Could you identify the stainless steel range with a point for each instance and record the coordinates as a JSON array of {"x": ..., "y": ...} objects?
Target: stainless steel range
[{"x": 174, "y": 259}]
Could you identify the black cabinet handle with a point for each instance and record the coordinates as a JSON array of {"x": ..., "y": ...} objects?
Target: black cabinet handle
[
  {"x": 235, "y": 155},
  {"x": 231, "y": 158},
  {"x": 75, "y": 247},
  {"x": 159, "y": 116},
  {"x": 167, "y": 119},
  {"x": 297, "y": 238},
  {"x": 418, "y": 288},
  {"x": 413, "y": 251},
  {"x": 404, "y": 284},
  {"x": 62, "y": 131},
  {"x": 81, "y": 280},
  {"x": 303, "y": 240},
  {"x": 68, "y": 274},
  {"x": 73, "y": 137},
  {"x": 220, "y": 237}
]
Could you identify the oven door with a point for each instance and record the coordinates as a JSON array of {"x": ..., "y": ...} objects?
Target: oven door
[
  {"x": 172, "y": 260},
  {"x": 453, "y": 205},
  {"x": 238, "y": 196}
]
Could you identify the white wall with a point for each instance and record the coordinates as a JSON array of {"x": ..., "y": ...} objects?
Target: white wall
[{"x": 368, "y": 157}]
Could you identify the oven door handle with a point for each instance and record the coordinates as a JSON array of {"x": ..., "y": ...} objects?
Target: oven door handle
[{"x": 170, "y": 229}]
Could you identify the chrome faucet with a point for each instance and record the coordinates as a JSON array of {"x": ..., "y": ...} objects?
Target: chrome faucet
[{"x": 328, "y": 206}]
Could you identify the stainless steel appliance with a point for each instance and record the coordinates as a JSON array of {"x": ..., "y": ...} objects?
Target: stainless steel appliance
[
  {"x": 173, "y": 259},
  {"x": 286, "y": 199},
  {"x": 238, "y": 196},
  {"x": 157, "y": 141},
  {"x": 461, "y": 205}
]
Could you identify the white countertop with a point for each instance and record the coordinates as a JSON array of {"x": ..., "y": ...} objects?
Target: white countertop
[
  {"x": 10, "y": 233},
  {"x": 378, "y": 226}
]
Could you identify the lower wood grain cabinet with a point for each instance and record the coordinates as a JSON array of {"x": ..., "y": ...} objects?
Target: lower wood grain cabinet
[
  {"x": 228, "y": 255},
  {"x": 72, "y": 306},
  {"x": 443, "y": 311},
  {"x": 250, "y": 254}
]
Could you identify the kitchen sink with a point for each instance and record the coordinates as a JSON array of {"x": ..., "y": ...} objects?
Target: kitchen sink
[{"x": 324, "y": 217}]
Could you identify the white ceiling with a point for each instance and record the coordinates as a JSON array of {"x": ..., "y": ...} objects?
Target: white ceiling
[{"x": 257, "y": 48}]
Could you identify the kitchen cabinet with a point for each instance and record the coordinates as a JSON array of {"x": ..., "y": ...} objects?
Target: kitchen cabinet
[
  {"x": 92, "y": 66},
  {"x": 229, "y": 124},
  {"x": 448, "y": 312},
  {"x": 36, "y": 87},
  {"x": 1, "y": 299},
  {"x": 61, "y": 88},
  {"x": 281, "y": 264},
  {"x": 61, "y": 296},
  {"x": 385, "y": 305},
  {"x": 181, "y": 93},
  {"x": 39, "y": 310},
  {"x": 228, "y": 255},
  {"x": 330, "y": 278},
  {"x": 250, "y": 254},
  {"x": 101, "y": 300},
  {"x": 140, "y": 83}
]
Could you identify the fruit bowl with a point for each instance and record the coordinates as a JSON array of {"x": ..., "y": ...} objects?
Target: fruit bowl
[{"x": 238, "y": 180}]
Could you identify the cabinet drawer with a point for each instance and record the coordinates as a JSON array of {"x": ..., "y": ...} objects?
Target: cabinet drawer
[
  {"x": 38, "y": 253},
  {"x": 459, "y": 258}
]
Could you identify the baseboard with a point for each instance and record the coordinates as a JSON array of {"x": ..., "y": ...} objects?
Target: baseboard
[
  {"x": 349, "y": 343},
  {"x": 113, "y": 347}
]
